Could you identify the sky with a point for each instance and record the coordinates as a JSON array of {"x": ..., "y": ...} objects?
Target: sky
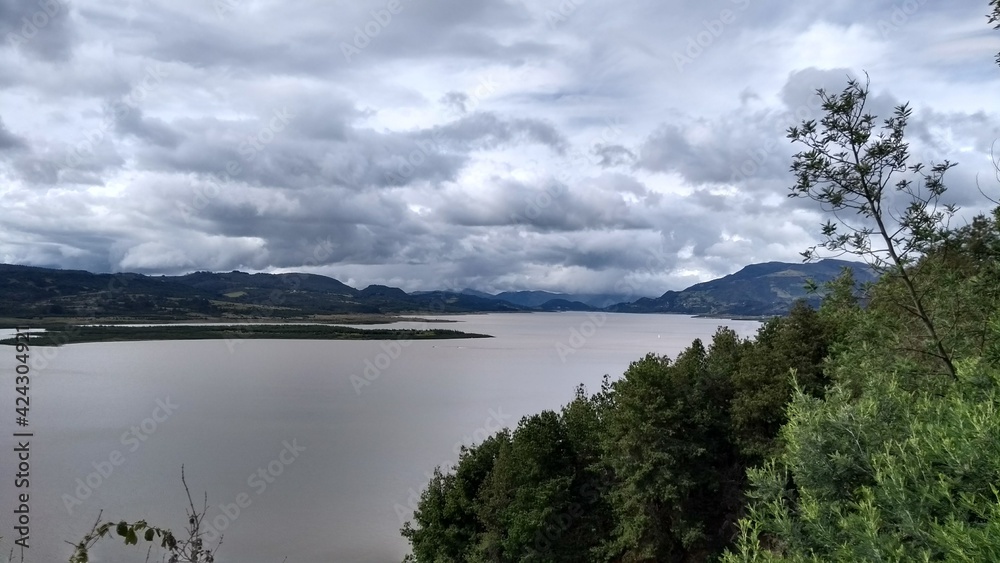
[{"x": 573, "y": 145}]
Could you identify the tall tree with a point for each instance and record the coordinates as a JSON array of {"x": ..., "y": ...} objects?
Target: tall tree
[
  {"x": 591, "y": 521},
  {"x": 785, "y": 349},
  {"x": 850, "y": 165},
  {"x": 666, "y": 440},
  {"x": 445, "y": 525},
  {"x": 527, "y": 504}
]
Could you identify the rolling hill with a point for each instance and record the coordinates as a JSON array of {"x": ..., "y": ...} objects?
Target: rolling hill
[
  {"x": 757, "y": 290},
  {"x": 32, "y": 292}
]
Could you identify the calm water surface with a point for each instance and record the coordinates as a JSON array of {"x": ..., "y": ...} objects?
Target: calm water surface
[{"x": 226, "y": 410}]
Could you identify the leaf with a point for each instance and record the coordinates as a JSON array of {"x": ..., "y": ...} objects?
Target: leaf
[
  {"x": 811, "y": 286},
  {"x": 122, "y": 529},
  {"x": 131, "y": 538},
  {"x": 149, "y": 534}
]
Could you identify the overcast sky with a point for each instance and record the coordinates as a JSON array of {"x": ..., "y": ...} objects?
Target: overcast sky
[{"x": 453, "y": 143}]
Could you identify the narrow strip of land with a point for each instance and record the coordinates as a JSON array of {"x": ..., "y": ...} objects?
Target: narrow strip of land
[
  {"x": 344, "y": 319},
  {"x": 75, "y": 334}
]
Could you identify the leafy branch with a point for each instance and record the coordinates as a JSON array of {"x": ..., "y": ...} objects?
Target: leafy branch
[
  {"x": 188, "y": 550},
  {"x": 851, "y": 165}
]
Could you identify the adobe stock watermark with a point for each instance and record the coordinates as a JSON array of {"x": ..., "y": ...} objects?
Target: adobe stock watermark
[
  {"x": 31, "y": 26},
  {"x": 539, "y": 201},
  {"x": 375, "y": 366},
  {"x": 901, "y": 14},
  {"x": 495, "y": 422},
  {"x": 252, "y": 145},
  {"x": 758, "y": 156},
  {"x": 535, "y": 204},
  {"x": 45, "y": 354},
  {"x": 153, "y": 77},
  {"x": 657, "y": 261},
  {"x": 408, "y": 164},
  {"x": 712, "y": 29},
  {"x": 320, "y": 254},
  {"x": 609, "y": 134},
  {"x": 258, "y": 482},
  {"x": 365, "y": 33},
  {"x": 562, "y": 13},
  {"x": 579, "y": 334},
  {"x": 264, "y": 136},
  {"x": 391, "y": 350},
  {"x": 133, "y": 439},
  {"x": 225, "y": 7},
  {"x": 485, "y": 87}
]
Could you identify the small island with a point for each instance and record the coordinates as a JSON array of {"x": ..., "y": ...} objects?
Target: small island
[{"x": 76, "y": 334}]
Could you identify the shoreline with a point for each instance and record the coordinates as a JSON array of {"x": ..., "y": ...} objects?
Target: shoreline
[
  {"x": 338, "y": 319},
  {"x": 76, "y": 334}
]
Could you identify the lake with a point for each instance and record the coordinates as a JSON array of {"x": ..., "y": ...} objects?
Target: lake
[{"x": 311, "y": 450}]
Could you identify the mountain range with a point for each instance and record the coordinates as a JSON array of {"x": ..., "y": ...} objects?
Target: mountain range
[
  {"x": 547, "y": 299},
  {"x": 758, "y": 290},
  {"x": 29, "y": 292}
]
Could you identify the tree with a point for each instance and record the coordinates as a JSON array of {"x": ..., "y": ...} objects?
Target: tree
[
  {"x": 894, "y": 475},
  {"x": 445, "y": 525},
  {"x": 585, "y": 419},
  {"x": 535, "y": 494},
  {"x": 995, "y": 19},
  {"x": 527, "y": 504},
  {"x": 966, "y": 264},
  {"x": 676, "y": 474},
  {"x": 848, "y": 165},
  {"x": 786, "y": 350}
]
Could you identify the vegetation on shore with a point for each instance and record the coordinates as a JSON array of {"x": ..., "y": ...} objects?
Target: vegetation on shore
[
  {"x": 74, "y": 334},
  {"x": 45, "y": 322}
]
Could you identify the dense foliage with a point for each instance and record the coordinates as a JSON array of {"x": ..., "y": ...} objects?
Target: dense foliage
[{"x": 651, "y": 468}]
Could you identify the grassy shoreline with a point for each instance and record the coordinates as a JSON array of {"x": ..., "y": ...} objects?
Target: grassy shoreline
[
  {"x": 77, "y": 334},
  {"x": 350, "y": 319}
]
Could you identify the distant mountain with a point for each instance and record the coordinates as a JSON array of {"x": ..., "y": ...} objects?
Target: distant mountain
[
  {"x": 756, "y": 290},
  {"x": 538, "y": 299},
  {"x": 475, "y": 293},
  {"x": 25, "y": 291},
  {"x": 383, "y": 292},
  {"x": 238, "y": 281}
]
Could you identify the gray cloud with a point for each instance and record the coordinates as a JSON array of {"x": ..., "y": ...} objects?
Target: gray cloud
[
  {"x": 613, "y": 155},
  {"x": 8, "y": 140},
  {"x": 131, "y": 122},
  {"x": 488, "y": 131},
  {"x": 40, "y": 29}
]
